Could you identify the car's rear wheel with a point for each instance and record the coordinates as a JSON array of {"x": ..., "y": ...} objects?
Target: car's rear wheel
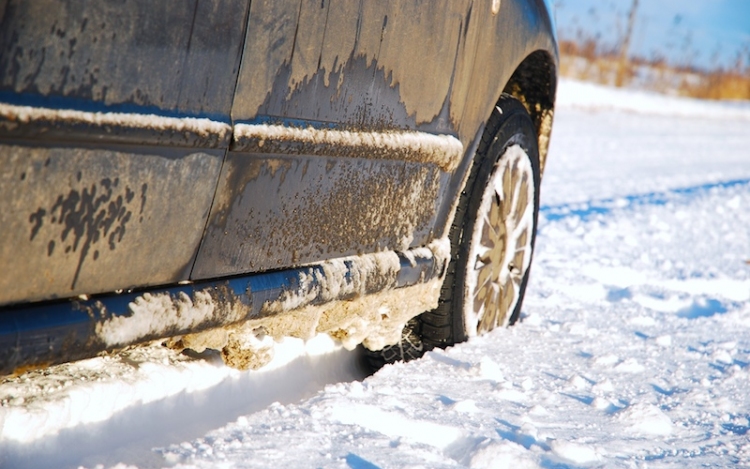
[{"x": 492, "y": 239}]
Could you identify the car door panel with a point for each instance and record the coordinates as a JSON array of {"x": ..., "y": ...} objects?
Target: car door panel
[{"x": 114, "y": 123}]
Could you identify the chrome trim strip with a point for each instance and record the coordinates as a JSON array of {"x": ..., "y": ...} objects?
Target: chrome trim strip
[
  {"x": 69, "y": 124},
  {"x": 445, "y": 151},
  {"x": 200, "y": 126}
]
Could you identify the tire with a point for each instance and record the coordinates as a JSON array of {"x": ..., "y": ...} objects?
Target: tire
[{"x": 486, "y": 281}]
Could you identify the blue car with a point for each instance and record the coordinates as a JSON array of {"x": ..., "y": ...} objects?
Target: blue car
[{"x": 213, "y": 172}]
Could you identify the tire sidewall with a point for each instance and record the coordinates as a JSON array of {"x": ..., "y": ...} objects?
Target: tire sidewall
[{"x": 507, "y": 127}]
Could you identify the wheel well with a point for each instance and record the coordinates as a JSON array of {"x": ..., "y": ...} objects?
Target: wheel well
[{"x": 534, "y": 83}]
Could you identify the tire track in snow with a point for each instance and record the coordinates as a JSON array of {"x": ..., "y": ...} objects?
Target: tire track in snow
[{"x": 587, "y": 210}]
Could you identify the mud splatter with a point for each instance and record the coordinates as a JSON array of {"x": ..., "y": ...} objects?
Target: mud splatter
[
  {"x": 87, "y": 216},
  {"x": 37, "y": 218}
]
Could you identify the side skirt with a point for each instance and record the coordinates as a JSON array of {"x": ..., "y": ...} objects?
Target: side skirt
[{"x": 359, "y": 299}]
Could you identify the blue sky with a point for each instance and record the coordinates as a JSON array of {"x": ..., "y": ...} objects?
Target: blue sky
[{"x": 697, "y": 32}]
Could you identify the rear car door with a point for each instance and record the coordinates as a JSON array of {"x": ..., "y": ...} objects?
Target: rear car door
[{"x": 319, "y": 79}]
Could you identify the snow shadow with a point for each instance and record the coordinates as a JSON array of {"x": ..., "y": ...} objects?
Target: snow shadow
[
  {"x": 668, "y": 392},
  {"x": 549, "y": 460},
  {"x": 356, "y": 462},
  {"x": 438, "y": 356},
  {"x": 130, "y": 436},
  {"x": 618, "y": 294},
  {"x": 514, "y": 434},
  {"x": 462, "y": 449},
  {"x": 702, "y": 309},
  {"x": 593, "y": 208},
  {"x": 736, "y": 429},
  {"x": 585, "y": 400}
]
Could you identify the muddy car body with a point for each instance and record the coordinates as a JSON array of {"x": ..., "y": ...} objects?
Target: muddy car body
[{"x": 170, "y": 169}]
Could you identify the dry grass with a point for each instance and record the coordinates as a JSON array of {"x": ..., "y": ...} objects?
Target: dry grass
[{"x": 585, "y": 60}]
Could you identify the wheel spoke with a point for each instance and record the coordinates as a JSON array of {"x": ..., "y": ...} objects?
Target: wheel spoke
[
  {"x": 508, "y": 298},
  {"x": 507, "y": 184},
  {"x": 522, "y": 201},
  {"x": 501, "y": 246},
  {"x": 485, "y": 276}
]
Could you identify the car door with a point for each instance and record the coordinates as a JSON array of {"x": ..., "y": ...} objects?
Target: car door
[{"x": 320, "y": 82}]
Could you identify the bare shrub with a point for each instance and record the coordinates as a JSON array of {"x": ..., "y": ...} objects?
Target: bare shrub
[{"x": 585, "y": 59}]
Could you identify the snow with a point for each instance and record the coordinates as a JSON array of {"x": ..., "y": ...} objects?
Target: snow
[
  {"x": 140, "y": 375},
  {"x": 119, "y": 407},
  {"x": 584, "y": 95},
  {"x": 153, "y": 313},
  {"x": 633, "y": 349},
  {"x": 606, "y": 156}
]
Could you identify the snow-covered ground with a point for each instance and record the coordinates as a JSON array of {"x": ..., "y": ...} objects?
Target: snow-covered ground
[{"x": 633, "y": 349}]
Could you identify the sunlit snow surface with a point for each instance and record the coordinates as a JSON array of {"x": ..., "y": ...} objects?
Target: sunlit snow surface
[{"x": 633, "y": 350}]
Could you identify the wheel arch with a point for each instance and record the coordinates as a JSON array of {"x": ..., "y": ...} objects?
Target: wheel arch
[{"x": 534, "y": 84}]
